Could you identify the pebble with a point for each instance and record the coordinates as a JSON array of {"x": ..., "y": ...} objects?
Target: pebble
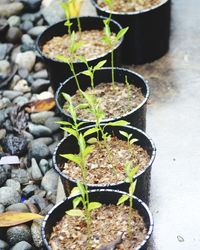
[
  {"x": 22, "y": 86},
  {"x": 40, "y": 85},
  {"x": 29, "y": 190},
  {"x": 47, "y": 209},
  {"x": 3, "y": 176},
  {"x": 52, "y": 147},
  {"x": 14, "y": 81},
  {"x": 20, "y": 100},
  {"x": 11, "y": 9},
  {"x": 3, "y": 245},
  {"x": 4, "y": 103},
  {"x": 7, "y": 168},
  {"x": 39, "y": 66},
  {"x": 26, "y": 60},
  {"x": 2, "y": 209},
  {"x": 50, "y": 181},
  {"x": 23, "y": 73},
  {"x": 14, "y": 21},
  {"x": 5, "y": 49},
  {"x": 9, "y": 196},
  {"x": 53, "y": 13},
  {"x": 31, "y": 5},
  {"x": 35, "y": 170},
  {"x": 15, "y": 145},
  {"x": 36, "y": 232},
  {"x": 5, "y": 67},
  {"x": 28, "y": 41},
  {"x": 18, "y": 207},
  {"x": 33, "y": 17},
  {"x": 41, "y": 74},
  {"x": 45, "y": 95},
  {"x": 39, "y": 201},
  {"x": 11, "y": 94},
  {"x": 44, "y": 140},
  {"x": 36, "y": 31},
  {"x": 14, "y": 35},
  {"x": 2, "y": 116},
  {"x": 39, "y": 130},
  {"x": 29, "y": 137},
  {"x": 41, "y": 117},
  {"x": 22, "y": 245},
  {"x": 20, "y": 175},
  {"x": 2, "y": 134},
  {"x": 38, "y": 151},
  {"x": 26, "y": 26},
  {"x": 44, "y": 165},
  {"x": 13, "y": 184},
  {"x": 51, "y": 123},
  {"x": 18, "y": 233}
]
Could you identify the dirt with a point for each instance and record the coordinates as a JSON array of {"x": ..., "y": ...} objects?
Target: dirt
[
  {"x": 129, "y": 5},
  {"x": 100, "y": 168},
  {"x": 113, "y": 102},
  {"x": 108, "y": 224},
  {"x": 93, "y": 46}
]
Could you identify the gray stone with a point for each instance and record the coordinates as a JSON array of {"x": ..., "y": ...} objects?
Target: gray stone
[
  {"x": 3, "y": 245},
  {"x": 14, "y": 35},
  {"x": 22, "y": 86},
  {"x": 11, "y": 94},
  {"x": 40, "y": 85},
  {"x": 31, "y": 5},
  {"x": 29, "y": 190},
  {"x": 36, "y": 232},
  {"x": 3, "y": 176},
  {"x": 2, "y": 134},
  {"x": 23, "y": 73},
  {"x": 36, "y": 31},
  {"x": 20, "y": 175},
  {"x": 51, "y": 123},
  {"x": 52, "y": 147},
  {"x": 13, "y": 184},
  {"x": 18, "y": 207},
  {"x": 39, "y": 201},
  {"x": 38, "y": 151},
  {"x": 14, "y": 21},
  {"x": 2, "y": 116},
  {"x": 50, "y": 181},
  {"x": 39, "y": 130},
  {"x": 44, "y": 165},
  {"x": 26, "y": 26},
  {"x": 43, "y": 74},
  {"x": 41, "y": 117},
  {"x": 7, "y": 168},
  {"x": 15, "y": 145},
  {"x": 26, "y": 60},
  {"x": 26, "y": 39},
  {"x": 44, "y": 140},
  {"x": 45, "y": 95},
  {"x": 28, "y": 136},
  {"x": 33, "y": 17},
  {"x": 4, "y": 102},
  {"x": 18, "y": 233},
  {"x": 47, "y": 209},
  {"x": 9, "y": 196},
  {"x": 20, "y": 100},
  {"x": 53, "y": 13},
  {"x": 14, "y": 81},
  {"x": 11, "y": 9},
  {"x": 22, "y": 245},
  {"x": 39, "y": 66},
  {"x": 5, "y": 67},
  {"x": 35, "y": 170},
  {"x": 2, "y": 209},
  {"x": 5, "y": 49}
]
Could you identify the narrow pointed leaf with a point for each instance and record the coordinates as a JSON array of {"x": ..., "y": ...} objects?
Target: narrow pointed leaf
[
  {"x": 64, "y": 123},
  {"x": 81, "y": 188},
  {"x": 74, "y": 191},
  {"x": 122, "y": 199},
  {"x": 88, "y": 150},
  {"x": 75, "y": 212},
  {"x": 125, "y": 134},
  {"x": 73, "y": 158},
  {"x": 92, "y": 140},
  {"x": 94, "y": 205},
  {"x": 118, "y": 123},
  {"x": 132, "y": 188},
  {"x": 133, "y": 141},
  {"x": 76, "y": 202},
  {"x": 62, "y": 59},
  {"x": 71, "y": 131},
  {"x": 90, "y": 131},
  {"x": 87, "y": 73},
  {"x": 100, "y": 65},
  {"x": 122, "y": 32}
]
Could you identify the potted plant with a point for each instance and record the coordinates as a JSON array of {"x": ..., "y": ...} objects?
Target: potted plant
[
  {"x": 64, "y": 228},
  {"x": 149, "y": 27},
  {"x": 82, "y": 32}
]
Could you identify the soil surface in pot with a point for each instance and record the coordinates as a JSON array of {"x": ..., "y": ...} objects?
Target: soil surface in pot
[
  {"x": 93, "y": 45},
  {"x": 108, "y": 225},
  {"x": 113, "y": 102},
  {"x": 106, "y": 165},
  {"x": 128, "y": 5}
]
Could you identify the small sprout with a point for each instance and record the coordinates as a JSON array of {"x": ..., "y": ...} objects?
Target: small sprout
[{"x": 129, "y": 138}]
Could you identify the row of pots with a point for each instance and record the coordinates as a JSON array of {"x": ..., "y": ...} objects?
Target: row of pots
[{"x": 110, "y": 193}]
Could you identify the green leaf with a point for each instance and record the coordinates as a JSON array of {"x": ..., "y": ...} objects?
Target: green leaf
[
  {"x": 82, "y": 106},
  {"x": 122, "y": 199},
  {"x": 81, "y": 188},
  {"x": 63, "y": 123},
  {"x": 94, "y": 205},
  {"x": 68, "y": 23},
  {"x": 118, "y": 123},
  {"x": 133, "y": 172},
  {"x": 99, "y": 65},
  {"x": 75, "y": 212},
  {"x": 87, "y": 73},
  {"x": 125, "y": 134},
  {"x": 91, "y": 131},
  {"x": 122, "y": 32},
  {"x": 88, "y": 150},
  {"x": 75, "y": 158},
  {"x": 77, "y": 201},
  {"x": 92, "y": 140},
  {"x": 132, "y": 188},
  {"x": 133, "y": 141},
  {"x": 81, "y": 142},
  {"x": 74, "y": 191},
  {"x": 67, "y": 97},
  {"x": 62, "y": 59},
  {"x": 71, "y": 131}
]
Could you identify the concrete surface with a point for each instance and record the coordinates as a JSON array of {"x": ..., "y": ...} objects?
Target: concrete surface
[{"x": 173, "y": 121}]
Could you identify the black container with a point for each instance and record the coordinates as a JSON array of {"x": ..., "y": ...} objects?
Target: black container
[
  {"x": 105, "y": 197},
  {"x": 59, "y": 71},
  {"x": 69, "y": 145},
  {"x": 148, "y": 36},
  {"x": 136, "y": 117}
]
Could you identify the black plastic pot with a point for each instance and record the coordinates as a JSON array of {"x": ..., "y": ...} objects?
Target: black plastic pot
[
  {"x": 136, "y": 117},
  {"x": 69, "y": 145},
  {"x": 148, "y": 36},
  {"x": 105, "y": 197},
  {"x": 59, "y": 71}
]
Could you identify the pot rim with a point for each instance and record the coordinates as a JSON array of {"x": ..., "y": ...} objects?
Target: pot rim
[
  {"x": 143, "y": 204},
  {"x": 38, "y": 46},
  {"x": 129, "y": 13},
  {"x": 105, "y": 185},
  {"x": 115, "y": 117}
]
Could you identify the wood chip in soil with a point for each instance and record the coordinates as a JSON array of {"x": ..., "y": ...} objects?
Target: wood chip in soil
[
  {"x": 100, "y": 167},
  {"x": 108, "y": 224},
  {"x": 113, "y": 102},
  {"x": 93, "y": 45},
  {"x": 129, "y": 6}
]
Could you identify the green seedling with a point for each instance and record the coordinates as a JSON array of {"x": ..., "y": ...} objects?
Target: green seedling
[
  {"x": 74, "y": 46},
  {"x": 129, "y": 92},
  {"x": 91, "y": 70},
  {"x": 112, "y": 41},
  {"x": 87, "y": 208},
  {"x": 130, "y": 172},
  {"x": 109, "y": 3},
  {"x": 129, "y": 138}
]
